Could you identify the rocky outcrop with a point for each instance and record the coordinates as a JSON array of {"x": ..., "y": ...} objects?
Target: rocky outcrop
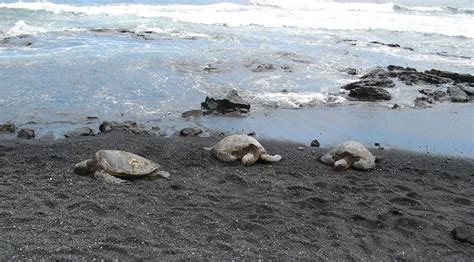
[
  {"x": 456, "y": 77},
  {"x": 370, "y": 82},
  {"x": 232, "y": 102},
  {"x": 411, "y": 76}
]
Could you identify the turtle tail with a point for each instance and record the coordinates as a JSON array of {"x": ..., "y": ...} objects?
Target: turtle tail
[{"x": 270, "y": 158}]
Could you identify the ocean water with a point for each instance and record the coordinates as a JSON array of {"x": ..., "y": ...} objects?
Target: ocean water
[{"x": 62, "y": 61}]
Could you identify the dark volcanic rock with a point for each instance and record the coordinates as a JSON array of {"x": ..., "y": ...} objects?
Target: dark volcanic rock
[
  {"x": 26, "y": 133},
  {"x": 190, "y": 131},
  {"x": 380, "y": 43},
  {"x": 7, "y": 128},
  {"x": 315, "y": 143},
  {"x": 412, "y": 77},
  {"x": 350, "y": 71},
  {"x": 108, "y": 126},
  {"x": 232, "y": 102},
  {"x": 370, "y": 93},
  {"x": 370, "y": 82},
  {"x": 457, "y": 95},
  {"x": 456, "y": 77},
  {"x": 81, "y": 131},
  {"x": 263, "y": 68},
  {"x": 464, "y": 234},
  {"x": 376, "y": 73}
]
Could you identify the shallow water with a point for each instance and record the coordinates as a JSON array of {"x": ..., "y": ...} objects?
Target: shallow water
[{"x": 57, "y": 68}]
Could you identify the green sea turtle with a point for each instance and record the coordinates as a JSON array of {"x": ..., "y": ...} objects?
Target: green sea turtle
[
  {"x": 109, "y": 165},
  {"x": 347, "y": 154},
  {"x": 241, "y": 147}
]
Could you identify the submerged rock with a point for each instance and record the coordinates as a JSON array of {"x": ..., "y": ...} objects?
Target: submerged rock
[
  {"x": 81, "y": 131},
  {"x": 263, "y": 68},
  {"x": 192, "y": 113},
  {"x": 457, "y": 94},
  {"x": 7, "y": 128},
  {"x": 467, "y": 89},
  {"x": 232, "y": 102},
  {"x": 370, "y": 93},
  {"x": 26, "y": 133}
]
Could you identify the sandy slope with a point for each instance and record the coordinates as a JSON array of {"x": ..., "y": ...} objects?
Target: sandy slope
[{"x": 298, "y": 208}]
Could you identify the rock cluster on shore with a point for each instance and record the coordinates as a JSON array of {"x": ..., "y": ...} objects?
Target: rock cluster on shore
[{"x": 373, "y": 85}]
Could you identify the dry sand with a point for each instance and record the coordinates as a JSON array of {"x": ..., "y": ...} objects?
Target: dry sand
[{"x": 298, "y": 208}]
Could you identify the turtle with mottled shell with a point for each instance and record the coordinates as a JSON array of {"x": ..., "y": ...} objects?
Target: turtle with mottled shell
[
  {"x": 241, "y": 147},
  {"x": 349, "y": 154},
  {"x": 112, "y": 165}
]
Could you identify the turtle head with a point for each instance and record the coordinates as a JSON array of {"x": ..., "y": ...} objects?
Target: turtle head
[
  {"x": 85, "y": 167},
  {"x": 343, "y": 163},
  {"x": 251, "y": 155}
]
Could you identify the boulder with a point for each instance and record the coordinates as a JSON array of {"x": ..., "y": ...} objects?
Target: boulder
[
  {"x": 376, "y": 73},
  {"x": 7, "y": 128},
  {"x": 190, "y": 131},
  {"x": 26, "y": 133},
  {"x": 457, "y": 94},
  {"x": 232, "y": 102},
  {"x": 411, "y": 76},
  {"x": 81, "y": 131},
  {"x": 370, "y": 93}
]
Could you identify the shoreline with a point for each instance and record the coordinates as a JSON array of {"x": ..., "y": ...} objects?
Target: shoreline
[
  {"x": 444, "y": 130},
  {"x": 298, "y": 208}
]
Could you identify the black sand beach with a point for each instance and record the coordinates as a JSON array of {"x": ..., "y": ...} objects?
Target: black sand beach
[{"x": 298, "y": 208}]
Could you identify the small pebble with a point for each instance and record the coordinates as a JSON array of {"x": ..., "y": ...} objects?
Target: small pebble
[{"x": 300, "y": 148}]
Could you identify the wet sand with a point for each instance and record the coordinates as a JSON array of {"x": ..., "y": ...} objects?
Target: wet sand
[{"x": 298, "y": 208}]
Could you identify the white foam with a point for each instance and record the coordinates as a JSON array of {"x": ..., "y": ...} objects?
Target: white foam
[
  {"x": 295, "y": 100},
  {"x": 21, "y": 28},
  {"x": 281, "y": 13}
]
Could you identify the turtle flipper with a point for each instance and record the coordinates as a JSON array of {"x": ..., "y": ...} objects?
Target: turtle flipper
[
  {"x": 364, "y": 164},
  {"x": 160, "y": 173},
  {"x": 342, "y": 164},
  {"x": 249, "y": 159},
  {"x": 107, "y": 178},
  {"x": 270, "y": 158},
  {"x": 85, "y": 167}
]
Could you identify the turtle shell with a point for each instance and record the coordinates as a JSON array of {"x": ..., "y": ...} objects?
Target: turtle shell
[
  {"x": 121, "y": 163},
  {"x": 353, "y": 148},
  {"x": 237, "y": 142}
]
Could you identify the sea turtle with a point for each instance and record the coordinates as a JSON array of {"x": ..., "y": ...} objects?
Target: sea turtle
[
  {"x": 108, "y": 165},
  {"x": 347, "y": 154},
  {"x": 241, "y": 147}
]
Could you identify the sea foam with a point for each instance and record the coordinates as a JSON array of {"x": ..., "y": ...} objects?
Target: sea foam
[{"x": 304, "y": 14}]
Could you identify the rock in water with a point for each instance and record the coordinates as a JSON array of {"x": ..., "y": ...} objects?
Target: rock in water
[
  {"x": 190, "y": 131},
  {"x": 7, "y": 128},
  {"x": 192, "y": 113},
  {"x": 464, "y": 234},
  {"x": 370, "y": 93},
  {"x": 457, "y": 95},
  {"x": 232, "y": 102},
  {"x": 26, "y": 133},
  {"x": 81, "y": 131},
  {"x": 467, "y": 89}
]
